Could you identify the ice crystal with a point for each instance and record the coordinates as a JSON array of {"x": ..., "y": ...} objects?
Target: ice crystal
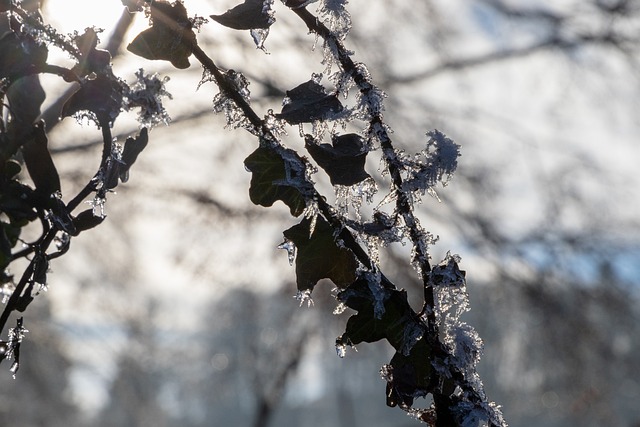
[
  {"x": 97, "y": 205},
  {"x": 304, "y": 297},
  {"x": 354, "y": 195},
  {"x": 259, "y": 36},
  {"x": 290, "y": 247},
  {"x": 482, "y": 414},
  {"x": 146, "y": 93},
  {"x": 435, "y": 164},
  {"x": 340, "y": 308},
  {"x": 337, "y": 17},
  {"x": 412, "y": 333},
  {"x": 197, "y": 22},
  {"x": 380, "y": 294},
  {"x": 341, "y": 349},
  {"x": 222, "y": 103},
  {"x": 450, "y": 289},
  {"x": 6, "y": 291},
  {"x": 275, "y": 126},
  {"x": 12, "y": 346}
]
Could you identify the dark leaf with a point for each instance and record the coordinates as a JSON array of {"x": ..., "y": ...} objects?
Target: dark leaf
[
  {"x": 11, "y": 169},
  {"x": 38, "y": 160},
  {"x": 246, "y": 16},
  {"x": 308, "y": 102},
  {"x": 92, "y": 60},
  {"x": 86, "y": 220},
  {"x": 295, "y": 4},
  {"x": 319, "y": 255},
  {"x": 343, "y": 160},
  {"x": 269, "y": 181},
  {"x": 102, "y": 96},
  {"x": 15, "y": 201},
  {"x": 26, "y": 97},
  {"x": 5, "y": 247},
  {"x": 390, "y": 322},
  {"x": 409, "y": 373},
  {"x": 132, "y": 148},
  {"x": 21, "y": 56},
  {"x": 170, "y": 37}
]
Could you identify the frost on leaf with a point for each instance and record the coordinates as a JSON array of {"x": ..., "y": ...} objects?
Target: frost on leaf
[
  {"x": 146, "y": 93},
  {"x": 435, "y": 164},
  {"x": 450, "y": 289},
  {"x": 99, "y": 99},
  {"x": 290, "y": 247}
]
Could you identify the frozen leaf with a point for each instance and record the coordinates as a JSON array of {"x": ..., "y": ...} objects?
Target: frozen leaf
[
  {"x": 252, "y": 14},
  {"x": 102, "y": 96},
  {"x": 146, "y": 94},
  {"x": 170, "y": 37},
  {"x": 320, "y": 256},
  {"x": 309, "y": 102},
  {"x": 343, "y": 160},
  {"x": 275, "y": 179}
]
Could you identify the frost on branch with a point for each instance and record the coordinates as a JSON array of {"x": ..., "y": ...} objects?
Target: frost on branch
[
  {"x": 222, "y": 103},
  {"x": 10, "y": 349},
  {"x": 337, "y": 17},
  {"x": 463, "y": 344}
]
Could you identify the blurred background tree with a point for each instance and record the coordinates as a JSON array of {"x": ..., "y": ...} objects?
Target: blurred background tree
[{"x": 164, "y": 315}]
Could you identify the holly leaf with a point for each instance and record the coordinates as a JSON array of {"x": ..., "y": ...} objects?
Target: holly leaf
[
  {"x": 309, "y": 102},
  {"x": 319, "y": 256},
  {"x": 272, "y": 180},
  {"x": 249, "y": 15},
  {"x": 170, "y": 37},
  {"x": 343, "y": 160}
]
